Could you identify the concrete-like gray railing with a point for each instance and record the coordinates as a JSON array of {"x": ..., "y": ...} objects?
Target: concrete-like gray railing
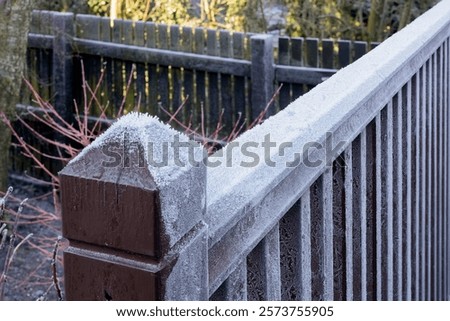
[{"x": 342, "y": 195}]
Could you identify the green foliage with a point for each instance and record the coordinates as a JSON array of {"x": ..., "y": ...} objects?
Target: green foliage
[
  {"x": 237, "y": 15},
  {"x": 371, "y": 20},
  {"x": 75, "y": 6}
]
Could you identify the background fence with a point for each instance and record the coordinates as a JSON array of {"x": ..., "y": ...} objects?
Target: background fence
[
  {"x": 217, "y": 70},
  {"x": 363, "y": 214}
]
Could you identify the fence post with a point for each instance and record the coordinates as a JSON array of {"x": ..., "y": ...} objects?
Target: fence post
[
  {"x": 262, "y": 72},
  {"x": 133, "y": 205},
  {"x": 63, "y": 32}
]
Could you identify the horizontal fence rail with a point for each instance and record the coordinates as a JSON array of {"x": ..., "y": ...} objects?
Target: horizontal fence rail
[{"x": 342, "y": 195}]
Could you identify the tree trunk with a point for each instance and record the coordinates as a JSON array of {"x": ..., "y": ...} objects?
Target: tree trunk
[{"x": 14, "y": 26}]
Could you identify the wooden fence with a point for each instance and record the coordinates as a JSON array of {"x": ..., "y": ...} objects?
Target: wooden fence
[
  {"x": 344, "y": 194},
  {"x": 216, "y": 69},
  {"x": 235, "y": 73}
]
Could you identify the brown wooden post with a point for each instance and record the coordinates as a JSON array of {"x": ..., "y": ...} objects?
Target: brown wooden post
[{"x": 133, "y": 205}]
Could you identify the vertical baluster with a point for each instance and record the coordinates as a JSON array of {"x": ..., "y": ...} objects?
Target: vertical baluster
[
  {"x": 235, "y": 286},
  {"x": 434, "y": 187},
  {"x": 446, "y": 172},
  {"x": 264, "y": 268},
  {"x": 295, "y": 234},
  {"x": 322, "y": 237},
  {"x": 379, "y": 190},
  {"x": 359, "y": 181},
  {"x": 385, "y": 212},
  {"x": 372, "y": 175},
  {"x": 416, "y": 172},
  {"x": 340, "y": 229},
  {"x": 440, "y": 176},
  {"x": 430, "y": 207},
  {"x": 327, "y": 230},
  {"x": 398, "y": 165},
  {"x": 408, "y": 204},
  {"x": 304, "y": 282},
  {"x": 349, "y": 222},
  {"x": 424, "y": 181}
]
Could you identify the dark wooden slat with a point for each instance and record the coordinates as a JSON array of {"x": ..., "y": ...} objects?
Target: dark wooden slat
[
  {"x": 62, "y": 66},
  {"x": 200, "y": 77},
  {"x": 151, "y": 35},
  {"x": 262, "y": 75},
  {"x": 139, "y": 33},
  {"x": 284, "y": 97},
  {"x": 312, "y": 52},
  {"x": 129, "y": 67},
  {"x": 118, "y": 83},
  {"x": 327, "y": 54},
  {"x": 44, "y": 74},
  {"x": 360, "y": 49},
  {"x": 283, "y": 51},
  {"x": 90, "y": 28},
  {"x": 212, "y": 107},
  {"x": 152, "y": 89},
  {"x": 344, "y": 53},
  {"x": 127, "y": 32},
  {"x": 87, "y": 26},
  {"x": 238, "y": 45},
  {"x": 163, "y": 70},
  {"x": 296, "y": 60},
  {"x": 311, "y": 56},
  {"x": 107, "y": 95},
  {"x": 225, "y": 44},
  {"x": 188, "y": 75},
  {"x": 175, "y": 77},
  {"x": 46, "y": 22},
  {"x": 226, "y": 81},
  {"x": 139, "y": 40},
  {"x": 35, "y": 22},
  {"x": 239, "y": 82},
  {"x": 297, "y": 52}
]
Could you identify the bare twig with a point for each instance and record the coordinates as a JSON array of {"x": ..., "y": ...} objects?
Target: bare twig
[
  {"x": 12, "y": 250},
  {"x": 54, "y": 273}
]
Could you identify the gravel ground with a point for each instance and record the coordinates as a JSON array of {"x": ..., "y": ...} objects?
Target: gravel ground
[{"x": 30, "y": 274}]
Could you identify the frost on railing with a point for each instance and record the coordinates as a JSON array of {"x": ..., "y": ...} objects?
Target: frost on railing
[{"x": 342, "y": 195}]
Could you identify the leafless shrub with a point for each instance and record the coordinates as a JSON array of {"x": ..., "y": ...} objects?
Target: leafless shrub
[{"x": 12, "y": 248}]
